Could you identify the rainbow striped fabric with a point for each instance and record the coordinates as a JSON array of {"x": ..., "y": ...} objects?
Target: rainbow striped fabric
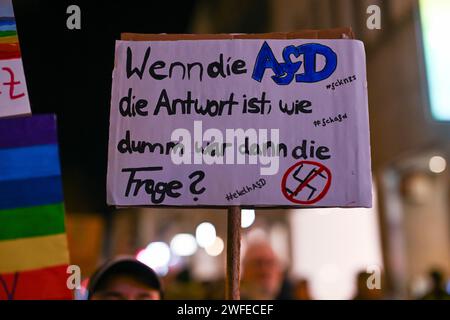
[
  {"x": 9, "y": 43},
  {"x": 13, "y": 90},
  {"x": 33, "y": 243}
]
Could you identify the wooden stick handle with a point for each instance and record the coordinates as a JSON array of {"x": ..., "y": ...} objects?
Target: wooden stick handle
[{"x": 233, "y": 254}]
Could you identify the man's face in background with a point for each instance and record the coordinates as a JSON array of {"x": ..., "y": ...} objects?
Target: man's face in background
[{"x": 262, "y": 270}]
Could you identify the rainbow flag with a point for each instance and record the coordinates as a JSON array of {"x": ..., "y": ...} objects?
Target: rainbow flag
[
  {"x": 13, "y": 89},
  {"x": 33, "y": 244}
]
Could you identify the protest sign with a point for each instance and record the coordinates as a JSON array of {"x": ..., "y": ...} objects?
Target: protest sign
[
  {"x": 13, "y": 90},
  {"x": 248, "y": 122},
  {"x": 33, "y": 244}
]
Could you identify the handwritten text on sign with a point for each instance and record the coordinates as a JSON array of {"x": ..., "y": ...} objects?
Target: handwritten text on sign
[
  {"x": 13, "y": 89},
  {"x": 239, "y": 122}
]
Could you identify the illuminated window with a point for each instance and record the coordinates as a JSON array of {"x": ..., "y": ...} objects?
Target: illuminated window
[
  {"x": 435, "y": 16},
  {"x": 332, "y": 245}
]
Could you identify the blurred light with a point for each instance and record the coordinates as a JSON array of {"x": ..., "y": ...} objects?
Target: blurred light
[
  {"x": 437, "y": 164},
  {"x": 435, "y": 15},
  {"x": 247, "y": 217},
  {"x": 328, "y": 273},
  {"x": 216, "y": 248},
  {"x": 162, "y": 271},
  {"x": 420, "y": 286},
  {"x": 175, "y": 261},
  {"x": 205, "y": 234},
  {"x": 183, "y": 244},
  {"x": 82, "y": 292},
  {"x": 156, "y": 256},
  {"x": 256, "y": 234}
]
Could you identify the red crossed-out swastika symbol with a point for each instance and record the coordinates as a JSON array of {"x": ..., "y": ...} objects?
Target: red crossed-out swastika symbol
[{"x": 305, "y": 174}]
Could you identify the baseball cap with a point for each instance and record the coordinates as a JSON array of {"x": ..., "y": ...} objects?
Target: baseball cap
[{"x": 124, "y": 265}]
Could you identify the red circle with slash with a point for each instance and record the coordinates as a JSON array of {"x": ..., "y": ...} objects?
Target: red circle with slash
[{"x": 319, "y": 169}]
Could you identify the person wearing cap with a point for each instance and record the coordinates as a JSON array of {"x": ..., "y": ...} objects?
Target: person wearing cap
[{"x": 125, "y": 278}]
